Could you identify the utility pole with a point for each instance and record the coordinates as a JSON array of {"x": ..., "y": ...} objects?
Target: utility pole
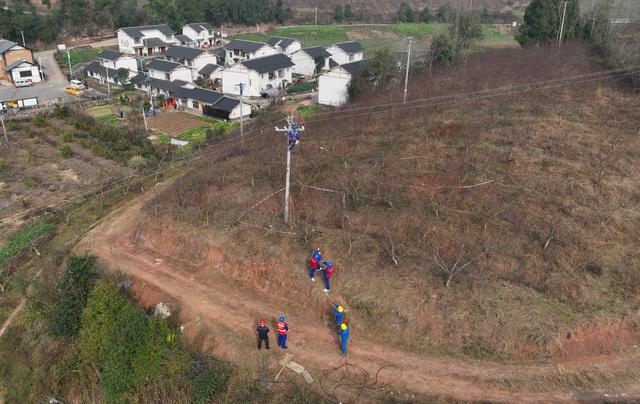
[
  {"x": 24, "y": 44},
  {"x": 593, "y": 22},
  {"x": 289, "y": 131},
  {"x": 406, "y": 78},
  {"x": 241, "y": 87},
  {"x": 70, "y": 68},
  {"x": 106, "y": 71},
  {"x": 564, "y": 14},
  {"x": 144, "y": 118},
  {"x": 628, "y": 20},
  {"x": 40, "y": 68},
  {"x": 315, "y": 20},
  {"x": 4, "y": 130}
]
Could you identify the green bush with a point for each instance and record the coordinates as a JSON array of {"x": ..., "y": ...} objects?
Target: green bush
[
  {"x": 61, "y": 112},
  {"x": 19, "y": 241},
  {"x": 67, "y": 136},
  {"x": 215, "y": 132},
  {"x": 302, "y": 87},
  {"x": 65, "y": 151},
  {"x": 72, "y": 293},
  {"x": 39, "y": 121}
]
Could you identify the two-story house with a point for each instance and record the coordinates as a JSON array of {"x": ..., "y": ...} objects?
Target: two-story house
[
  {"x": 258, "y": 75},
  {"x": 183, "y": 40},
  {"x": 194, "y": 58},
  {"x": 108, "y": 64},
  {"x": 170, "y": 71},
  {"x": 10, "y": 54},
  {"x": 238, "y": 50},
  {"x": 333, "y": 86},
  {"x": 285, "y": 45},
  {"x": 147, "y": 40},
  {"x": 345, "y": 52},
  {"x": 202, "y": 33},
  {"x": 309, "y": 61}
]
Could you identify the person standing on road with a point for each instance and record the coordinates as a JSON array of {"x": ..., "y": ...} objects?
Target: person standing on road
[
  {"x": 328, "y": 273},
  {"x": 338, "y": 312},
  {"x": 263, "y": 334},
  {"x": 283, "y": 331},
  {"x": 316, "y": 259},
  {"x": 344, "y": 337}
]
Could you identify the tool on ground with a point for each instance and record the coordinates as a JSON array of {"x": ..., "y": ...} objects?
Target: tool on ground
[{"x": 286, "y": 362}]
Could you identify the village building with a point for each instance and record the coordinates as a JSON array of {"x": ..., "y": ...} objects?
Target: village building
[
  {"x": 346, "y": 52},
  {"x": 239, "y": 50},
  {"x": 333, "y": 86},
  {"x": 147, "y": 40},
  {"x": 202, "y": 33},
  {"x": 259, "y": 76},
  {"x": 310, "y": 61},
  {"x": 191, "y": 57},
  {"x": 12, "y": 62},
  {"x": 288, "y": 46}
]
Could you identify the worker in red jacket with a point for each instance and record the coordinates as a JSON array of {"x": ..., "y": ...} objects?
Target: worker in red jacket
[
  {"x": 283, "y": 330},
  {"x": 328, "y": 273},
  {"x": 316, "y": 259}
]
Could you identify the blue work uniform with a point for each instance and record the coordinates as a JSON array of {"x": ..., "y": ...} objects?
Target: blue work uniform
[
  {"x": 339, "y": 316},
  {"x": 344, "y": 337},
  {"x": 316, "y": 259}
]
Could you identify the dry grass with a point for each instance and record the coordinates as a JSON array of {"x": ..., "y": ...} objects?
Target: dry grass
[{"x": 549, "y": 241}]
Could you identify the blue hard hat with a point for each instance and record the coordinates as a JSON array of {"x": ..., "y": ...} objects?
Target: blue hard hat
[
  {"x": 328, "y": 263},
  {"x": 281, "y": 319}
]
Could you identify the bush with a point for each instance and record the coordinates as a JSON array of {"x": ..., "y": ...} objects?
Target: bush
[
  {"x": 18, "y": 242},
  {"x": 67, "y": 136},
  {"x": 61, "y": 112},
  {"x": 302, "y": 87},
  {"x": 65, "y": 151},
  {"x": 39, "y": 121},
  {"x": 72, "y": 293}
]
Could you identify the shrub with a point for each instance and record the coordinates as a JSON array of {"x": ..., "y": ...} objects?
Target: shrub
[
  {"x": 215, "y": 132},
  {"x": 61, "y": 112},
  {"x": 137, "y": 162},
  {"x": 72, "y": 293},
  {"x": 18, "y": 242},
  {"x": 39, "y": 120},
  {"x": 65, "y": 151},
  {"x": 67, "y": 136},
  {"x": 302, "y": 87}
]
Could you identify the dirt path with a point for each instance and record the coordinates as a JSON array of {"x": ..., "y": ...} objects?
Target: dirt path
[{"x": 231, "y": 311}]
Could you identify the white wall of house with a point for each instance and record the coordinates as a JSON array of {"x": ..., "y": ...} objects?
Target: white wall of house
[
  {"x": 239, "y": 56},
  {"x": 341, "y": 57},
  {"x": 235, "y": 114},
  {"x": 26, "y": 71},
  {"x": 333, "y": 87},
  {"x": 181, "y": 73},
  {"x": 204, "y": 59},
  {"x": 255, "y": 82},
  {"x": 123, "y": 62},
  {"x": 292, "y": 48},
  {"x": 126, "y": 44},
  {"x": 201, "y": 37},
  {"x": 304, "y": 64}
]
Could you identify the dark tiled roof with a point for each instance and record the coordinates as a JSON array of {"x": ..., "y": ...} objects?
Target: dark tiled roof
[
  {"x": 268, "y": 63},
  {"x": 354, "y": 68},
  {"x": 245, "y": 46},
  {"x": 208, "y": 69},
  {"x": 333, "y": 63},
  {"x": 97, "y": 68},
  {"x": 16, "y": 64},
  {"x": 162, "y": 65},
  {"x": 154, "y": 42},
  {"x": 317, "y": 52},
  {"x": 183, "y": 38},
  {"x": 200, "y": 26},
  {"x": 349, "y": 47},
  {"x": 205, "y": 96},
  {"x": 6, "y": 44},
  {"x": 109, "y": 54},
  {"x": 182, "y": 52},
  {"x": 280, "y": 41},
  {"x": 226, "y": 104},
  {"x": 220, "y": 53},
  {"x": 136, "y": 32}
]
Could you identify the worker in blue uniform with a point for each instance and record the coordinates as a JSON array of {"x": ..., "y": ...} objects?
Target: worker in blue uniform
[
  {"x": 338, "y": 312},
  {"x": 344, "y": 337},
  {"x": 294, "y": 136}
]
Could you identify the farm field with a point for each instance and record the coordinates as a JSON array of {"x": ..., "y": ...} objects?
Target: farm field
[
  {"x": 373, "y": 36},
  {"x": 78, "y": 56}
]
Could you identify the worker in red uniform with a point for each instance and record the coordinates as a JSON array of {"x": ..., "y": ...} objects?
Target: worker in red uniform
[
  {"x": 263, "y": 334},
  {"x": 316, "y": 259},
  {"x": 283, "y": 331},
  {"x": 327, "y": 269}
]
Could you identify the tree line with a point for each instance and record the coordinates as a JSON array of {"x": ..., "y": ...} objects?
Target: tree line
[{"x": 83, "y": 17}]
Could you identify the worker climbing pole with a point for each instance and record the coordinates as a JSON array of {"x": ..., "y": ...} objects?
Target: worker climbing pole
[{"x": 293, "y": 132}]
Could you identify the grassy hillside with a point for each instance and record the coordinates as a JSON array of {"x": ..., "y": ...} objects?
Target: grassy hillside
[{"x": 530, "y": 195}]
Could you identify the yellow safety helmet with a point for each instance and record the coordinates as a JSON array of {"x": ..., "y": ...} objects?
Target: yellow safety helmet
[
  {"x": 343, "y": 326},
  {"x": 340, "y": 309}
]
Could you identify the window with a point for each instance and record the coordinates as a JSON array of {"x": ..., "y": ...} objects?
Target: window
[
  {"x": 351, "y": 57},
  {"x": 272, "y": 75},
  {"x": 196, "y": 105},
  {"x": 281, "y": 73},
  {"x": 25, "y": 73},
  {"x": 167, "y": 76}
]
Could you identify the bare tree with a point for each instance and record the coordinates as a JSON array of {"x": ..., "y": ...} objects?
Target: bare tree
[{"x": 450, "y": 271}]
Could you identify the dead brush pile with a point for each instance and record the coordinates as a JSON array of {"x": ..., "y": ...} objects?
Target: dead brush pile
[{"x": 487, "y": 227}]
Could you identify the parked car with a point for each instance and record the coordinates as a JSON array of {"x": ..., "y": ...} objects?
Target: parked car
[
  {"x": 23, "y": 82},
  {"x": 77, "y": 84}
]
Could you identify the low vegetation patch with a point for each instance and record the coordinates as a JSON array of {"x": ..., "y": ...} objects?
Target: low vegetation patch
[
  {"x": 303, "y": 87},
  {"x": 20, "y": 241}
]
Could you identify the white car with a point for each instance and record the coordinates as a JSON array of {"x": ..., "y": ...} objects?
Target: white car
[
  {"x": 77, "y": 84},
  {"x": 22, "y": 83}
]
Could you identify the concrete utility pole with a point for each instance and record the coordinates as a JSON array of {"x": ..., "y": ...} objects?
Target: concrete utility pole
[
  {"x": 24, "y": 44},
  {"x": 40, "y": 68},
  {"x": 288, "y": 177},
  {"x": 564, "y": 14},
  {"x": 144, "y": 118},
  {"x": 629, "y": 13},
  {"x": 106, "y": 71},
  {"x": 4, "y": 130},
  {"x": 593, "y": 22},
  {"x": 406, "y": 78},
  {"x": 69, "y": 60},
  {"x": 241, "y": 87}
]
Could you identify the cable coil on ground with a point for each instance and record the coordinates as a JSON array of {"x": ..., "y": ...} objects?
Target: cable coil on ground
[{"x": 346, "y": 382}]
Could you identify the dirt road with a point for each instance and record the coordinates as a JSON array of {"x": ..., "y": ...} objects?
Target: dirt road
[{"x": 229, "y": 312}]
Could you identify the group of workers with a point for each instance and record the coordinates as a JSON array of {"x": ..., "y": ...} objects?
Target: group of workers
[{"x": 317, "y": 264}]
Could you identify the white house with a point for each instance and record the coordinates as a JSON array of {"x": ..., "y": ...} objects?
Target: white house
[
  {"x": 257, "y": 75},
  {"x": 306, "y": 60},
  {"x": 333, "y": 85},
  {"x": 21, "y": 69},
  {"x": 239, "y": 50},
  {"x": 167, "y": 70},
  {"x": 202, "y": 33},
  {"x": 118, "y": 60},
  {"x": 345, "y": 52},
  {"x": 285, "y": 45},
  {"x": 190, "y": 57},
  {"x": 183, "y": 40},
  {"x": 211, "y": 72},
  {"x": 147, "y": 40}
]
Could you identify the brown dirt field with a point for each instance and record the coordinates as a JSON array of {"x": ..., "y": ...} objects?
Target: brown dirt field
[
  {"x": 173, "y": 123},
  {"x": 219, "y": 304}
]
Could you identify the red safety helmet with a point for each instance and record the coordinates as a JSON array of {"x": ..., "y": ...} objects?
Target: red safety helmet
[{"x": 262, "y": 322}]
